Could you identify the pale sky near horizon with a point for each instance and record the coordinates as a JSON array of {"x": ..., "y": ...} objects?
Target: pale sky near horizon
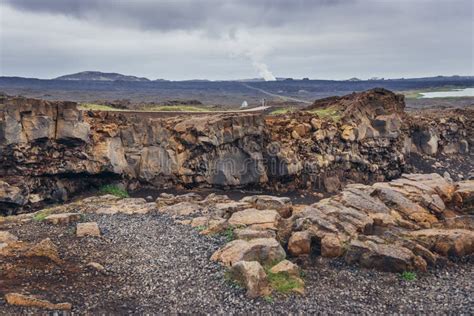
[{"x": 230, "y": 39}]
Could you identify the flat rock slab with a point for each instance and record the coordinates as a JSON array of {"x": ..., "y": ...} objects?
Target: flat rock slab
[
  {"x": 263, "y": 219},
  {"x": 263, "y": 250},
  {"x": 30, "y": 301},
  {"x": 247, "y": 233},
  {"x": 6, "y": 237},
  {"x": 268, "y": 202},
  {"x": 63, "y": 218},
  {"x": 45, "y": 249},
  {"x": 181, "y": 209},
  {"x": 87, "y": 229}
]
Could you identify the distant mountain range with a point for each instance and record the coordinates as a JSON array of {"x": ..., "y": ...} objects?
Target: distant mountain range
[
  {"x": 96, "y": 86},
  {"x": 101, "y": 76},
  {"x": 112, "y": 76}
]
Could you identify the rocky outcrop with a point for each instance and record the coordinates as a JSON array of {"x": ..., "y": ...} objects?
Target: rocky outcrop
[
  {"x": 397, "y": 226},
  {"x": 51, "y": 150},
  {"x": 410, "y": 223},
  {"x": 368, "y": 107}
]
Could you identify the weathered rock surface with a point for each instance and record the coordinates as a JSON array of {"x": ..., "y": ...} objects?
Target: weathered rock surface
[
  {"x": 63, "y": 218},
  {"x": 286, "y": 266},
  {"x": 267, "y": 202},
  {"x": 299, "y": 243},
  {"x": 263, "y": 250},
  {"x": 87, "y": 229},
  {"x": 45, "y": 249},
  {"x": 252, "y": 276},
  {"x": 247, "y": 233},
  {"x": 51, "y": 150},
  {"x": 402, "y": 225},
  {"x": 6, "y": 237},
  {"x": 256, "y": 219}
]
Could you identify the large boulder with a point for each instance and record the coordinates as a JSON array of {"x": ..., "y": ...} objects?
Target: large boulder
[
  {"x": 300, "y": 243},
  {"x": 373, "y": 253},
  {"x": 12, "y": 194},
  {"x": 446, "y": 242}
]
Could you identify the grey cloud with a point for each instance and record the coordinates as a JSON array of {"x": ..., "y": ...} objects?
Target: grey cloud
[
  {"x": 181, "y": 14},
  {"x": 299, "y": 38}
]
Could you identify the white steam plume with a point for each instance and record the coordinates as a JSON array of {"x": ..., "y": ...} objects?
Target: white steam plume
[
  {"x": 263, "y": 71},
  {"x": 244, "y": 45}
]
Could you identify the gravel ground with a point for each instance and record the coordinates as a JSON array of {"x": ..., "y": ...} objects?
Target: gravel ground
[{"x": 156, "y": 266}]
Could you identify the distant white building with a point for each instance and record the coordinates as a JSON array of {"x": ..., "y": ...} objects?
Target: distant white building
[{"x": 244, "y": 104}]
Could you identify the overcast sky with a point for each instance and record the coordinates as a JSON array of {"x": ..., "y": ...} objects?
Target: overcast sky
[{"x": 233, "y": 39}]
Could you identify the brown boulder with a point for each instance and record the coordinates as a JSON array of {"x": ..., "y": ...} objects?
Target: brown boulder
[
  {"x": 288, "y": 267},
  {"x": 268, "y": 202},
  {"x": 45, "y": 248},
  {"x": 87, "y": 229},
  {"x": 247, "y": 233},
  {"x": 251, "y": 275},
  {"x": 261, "y": 219},
  {"x": 64, "y": 218},
  {"x": 331, "y": 246},
  {"x": 374, "y": 253},
  {"x": 263, "y": 250},
  {"x": 299, "y": 243},
  {"x": 446, "y": 242}
]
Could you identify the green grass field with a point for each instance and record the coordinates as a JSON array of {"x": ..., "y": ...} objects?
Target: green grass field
[
  {"x": 176, "y": 108},
  {"x": 157, "y": 108},
  {"x": 282, "y": 111},
  {"x": 97, "y": 107},
  {"x": 327, "y": 113}
]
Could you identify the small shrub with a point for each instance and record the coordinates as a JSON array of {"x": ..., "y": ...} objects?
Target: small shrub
[
  {"x": 268, "y": 299},
  {"x": 327, "y": 113},
  {"x": 282, "y": 111},
  {"x": 114, "y": 190},
  {"x": 41, "y": 215},
  {"x": 283, "y": 282},
  {"x": 200, "y": 228},
  {"x": 408, "y": 276},
  {"x": 229, "y": 234}
]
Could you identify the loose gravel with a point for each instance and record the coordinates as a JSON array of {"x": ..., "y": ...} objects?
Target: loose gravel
[{"x": 157, "y": 266}]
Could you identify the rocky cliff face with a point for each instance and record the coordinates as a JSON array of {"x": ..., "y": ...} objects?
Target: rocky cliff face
[{"x": 50, "y": 150}]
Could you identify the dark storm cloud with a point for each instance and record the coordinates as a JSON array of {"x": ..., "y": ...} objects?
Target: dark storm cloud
[{"x": 181, "y": 14}]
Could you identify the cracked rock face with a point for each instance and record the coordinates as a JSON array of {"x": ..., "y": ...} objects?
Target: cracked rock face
[{"x": 52, "y": 150}]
